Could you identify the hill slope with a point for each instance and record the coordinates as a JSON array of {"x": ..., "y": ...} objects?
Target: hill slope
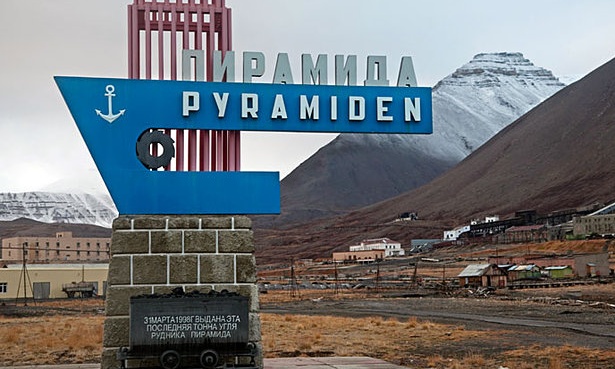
[
  {"x": 28, "y": 227},
  {"x": 557, "y": 156},
  {"x": 469, "y": 106}
]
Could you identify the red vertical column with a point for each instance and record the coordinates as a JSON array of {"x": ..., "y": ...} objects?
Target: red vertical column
[
  {"x": 192, "y": 134},
  {"x": 174, "y": 15},
  {"x": 206, "y": 150}
]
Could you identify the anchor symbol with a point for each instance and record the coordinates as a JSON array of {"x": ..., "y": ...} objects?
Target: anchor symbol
[{"x": 110, "y": 117}]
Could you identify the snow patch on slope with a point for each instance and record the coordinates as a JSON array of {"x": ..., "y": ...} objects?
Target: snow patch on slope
[
  {"x": 478, "y": 100},
  {"x": 58, "y": 208}
]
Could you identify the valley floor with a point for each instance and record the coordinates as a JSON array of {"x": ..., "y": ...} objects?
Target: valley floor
[
  {"x": 522, "y": 329},
  {"x": 516, "y": 330}
]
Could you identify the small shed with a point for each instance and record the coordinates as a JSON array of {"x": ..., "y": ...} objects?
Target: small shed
[
  {"x": 558, "y": 272},
  {"x": 483, "y": 275},
  {"x": 518, "y": 272}
]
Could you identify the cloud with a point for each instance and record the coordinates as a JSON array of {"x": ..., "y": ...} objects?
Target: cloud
[{"x": 41, "y": 38}]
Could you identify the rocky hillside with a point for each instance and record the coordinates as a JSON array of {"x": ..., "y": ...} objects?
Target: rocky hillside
[
  {"x": 51, "y": 207},
  {"x": 469, "y": 107},
  {"x": 557, "y": 156}
]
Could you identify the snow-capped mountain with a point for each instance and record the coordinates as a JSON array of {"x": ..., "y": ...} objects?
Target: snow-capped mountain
[
  {"x": 82, "y": 198},
  {"x": 58, "y": 208},
  {"x": 557, "y": 156},
  {"x": 482, "y": 97},
  {"x": 476, "y": 101},
  {"x": 469, "y": 107}
]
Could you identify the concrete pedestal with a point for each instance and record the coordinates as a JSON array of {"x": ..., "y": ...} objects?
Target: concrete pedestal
[{"x": 155, "y": 254}]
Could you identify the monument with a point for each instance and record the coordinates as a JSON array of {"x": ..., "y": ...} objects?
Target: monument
[{"x": 166, "y": 142}]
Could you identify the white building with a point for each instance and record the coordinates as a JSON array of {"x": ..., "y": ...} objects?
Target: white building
[
  {"x": 488, "y": 219},
  {"x": 455, "y": 233},
  {"x": 390, "y": 247},
  {"x": 491, "y": 219}
]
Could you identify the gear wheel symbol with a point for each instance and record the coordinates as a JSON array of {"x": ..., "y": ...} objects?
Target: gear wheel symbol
[{"x": 150, "y": 161}]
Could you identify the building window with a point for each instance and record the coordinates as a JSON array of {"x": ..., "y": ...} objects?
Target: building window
[
  {"x": 78, "y": 244},
  {"x": 3, "y": 287}
]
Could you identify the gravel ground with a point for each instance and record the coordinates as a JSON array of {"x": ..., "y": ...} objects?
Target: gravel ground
[{"x": 551, "y": 322}]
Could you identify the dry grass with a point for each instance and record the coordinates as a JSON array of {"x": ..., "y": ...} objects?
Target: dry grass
[
  {"x": 50, "y": 339},
  {"x": 388, "y": 339},
  {"x": 77, "y": 338},
  {"x": 562, "y": 357}
]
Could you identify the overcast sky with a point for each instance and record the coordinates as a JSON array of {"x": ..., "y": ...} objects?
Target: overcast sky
[{"x": 43, "y": 38}]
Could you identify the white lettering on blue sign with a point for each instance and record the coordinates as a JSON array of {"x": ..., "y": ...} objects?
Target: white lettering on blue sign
[
  {"x": 383, "y": 109},
  {"x": 412, "y": 109},
  {"x": 356, "y": 108},
  {"x": 221, "y": 103},
  {"x": 249, "y": 106},
  {"x": 279, "y": 108},
  {"x": 309, "y": 107},
  {"x": 191, "y": 101}
]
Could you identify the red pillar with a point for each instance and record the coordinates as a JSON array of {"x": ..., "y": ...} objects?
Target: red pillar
[{"x": 157, "y": 32}]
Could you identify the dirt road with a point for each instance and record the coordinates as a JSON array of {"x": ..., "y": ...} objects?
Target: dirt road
[{"x": 537, "y": 323}]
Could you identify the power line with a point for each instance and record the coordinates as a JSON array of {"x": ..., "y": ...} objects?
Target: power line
[{"x": 25, "y": 277}]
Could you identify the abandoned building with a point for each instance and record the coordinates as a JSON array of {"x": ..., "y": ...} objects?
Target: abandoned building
[
  {"x": 370, "y": 250},
  {"x": 582, "y": 265},
  {"x": 483, "y": 275},
  {"x": 63, "y": 248}
]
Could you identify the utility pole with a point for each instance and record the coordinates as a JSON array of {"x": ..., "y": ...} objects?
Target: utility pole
[
  {"x": 336, "y": 291},
  {"x": 444, "y": 276},
  {"x": 377, "y": 275},
  {"x": 24, "y": 276},
  {"x": 293, "y": 280}
]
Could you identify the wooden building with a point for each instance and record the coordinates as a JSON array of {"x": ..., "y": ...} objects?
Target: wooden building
[
  {"x": 519, "y": 272},
  {"x": 483, "y": 275}
]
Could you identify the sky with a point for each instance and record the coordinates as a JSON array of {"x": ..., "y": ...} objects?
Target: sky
[{"x": 41, "y": 38}]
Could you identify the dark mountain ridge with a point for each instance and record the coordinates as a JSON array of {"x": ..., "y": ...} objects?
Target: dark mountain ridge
[
  {"x": 557, "y": 156},
  {"x": 31, "y": 228},
  {"x": 469, "y": 107}
]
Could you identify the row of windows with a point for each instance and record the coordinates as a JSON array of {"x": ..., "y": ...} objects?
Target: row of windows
[
  {"x": 589, "y": 220},
  {"x": 88, "y": 245},
  {"x": 599, "y": 228}
]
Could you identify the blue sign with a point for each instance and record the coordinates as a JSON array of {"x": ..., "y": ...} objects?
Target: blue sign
[{"x": 113, "y": 115}]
